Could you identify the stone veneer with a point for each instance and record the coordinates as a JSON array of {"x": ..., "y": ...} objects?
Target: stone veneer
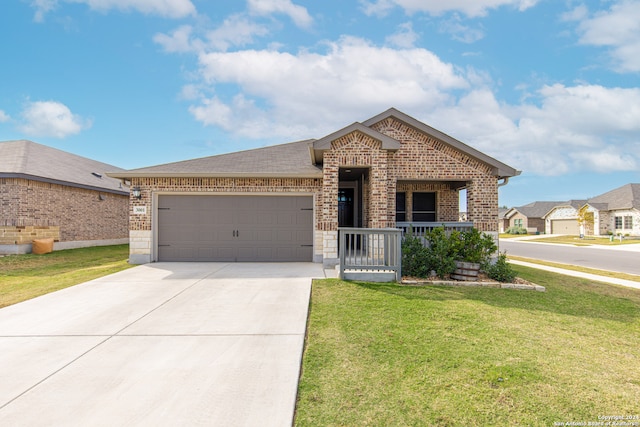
[{"x": 421, "y": 164}]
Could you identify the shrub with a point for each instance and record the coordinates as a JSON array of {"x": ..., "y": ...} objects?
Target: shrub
[
  {"x": 474, "y": 246},
  {"x": 415, "y": 261},
  {"x": 516, "y": 230},
  {"x": 442, "y": 252},
  {"x": 501, "y": 270}
]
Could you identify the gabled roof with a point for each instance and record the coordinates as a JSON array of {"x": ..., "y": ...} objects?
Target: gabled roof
[
  {"x": 301, "y": 159},
  {"x": 534, "y": 209},
  {"x": 282, "y": 161},
  {"x": 324, "y": 143},
  {"x": 625, "y": 197},
  {"x": 29, "y": 160},
  {"x": 499, "y": 169},
  {"x": 575, "y": 204}
]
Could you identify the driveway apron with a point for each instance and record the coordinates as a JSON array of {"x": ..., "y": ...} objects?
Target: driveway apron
[{"x": 160, "y": 344}]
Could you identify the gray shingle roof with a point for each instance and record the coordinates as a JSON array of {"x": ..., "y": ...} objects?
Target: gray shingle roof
[
  {"x": 538, "y": 209},
  {"x": 625, "y": 197},
  {"x": 285, "y": 160},
  {"x": 29, "y": 160},
  {"x": 298, "y": 159}
]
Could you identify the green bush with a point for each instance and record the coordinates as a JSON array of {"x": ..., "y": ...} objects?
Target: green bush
[
  {"x": 516, "y": 230},
  {"x": 415, "y": 261},
  {"x": 442, "y": 252},
  {"x": 501, "y": 270},
  {"x": 474, "y": 246}
]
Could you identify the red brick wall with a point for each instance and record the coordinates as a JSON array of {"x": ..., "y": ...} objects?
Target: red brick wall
[{"x": 79, "y": 213}]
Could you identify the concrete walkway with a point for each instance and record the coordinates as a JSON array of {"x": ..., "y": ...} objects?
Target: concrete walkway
[
  {"x": 160, "y": 344},
  {"x": 605, "y": 279},
  {"x": 598, "y": 278}
]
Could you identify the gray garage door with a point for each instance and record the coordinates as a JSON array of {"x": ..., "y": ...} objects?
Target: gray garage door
[
  {"x": 565, "y": 226},
  {"x": 235, "y": 228}
]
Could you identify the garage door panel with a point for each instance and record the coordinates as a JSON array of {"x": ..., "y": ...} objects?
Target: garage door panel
[
  {"x": 565, "y": 226},
  {"x": 235, "y": 228}
]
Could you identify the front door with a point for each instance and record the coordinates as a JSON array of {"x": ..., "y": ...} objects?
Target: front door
[{"x": 346, "y": 204}]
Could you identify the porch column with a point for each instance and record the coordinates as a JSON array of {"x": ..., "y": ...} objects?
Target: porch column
[
  {"x": 328, "y": 225},
  {"x": 379, "y": 192},
  {"x": 482, "y": 204}
]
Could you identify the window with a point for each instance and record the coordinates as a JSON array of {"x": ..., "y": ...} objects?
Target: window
[
  {"x": 518, "y": 223},
  {"x": 401, "y": 207},
  {"x": 424, "y": 207},
  {"x": 628, "y": 222},
  {"x": 618, "y": 222}
]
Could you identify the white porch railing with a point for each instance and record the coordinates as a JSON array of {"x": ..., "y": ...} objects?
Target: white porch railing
[
  {"x": 420, "y": 229},
  {"x": 370, "y": 254}
]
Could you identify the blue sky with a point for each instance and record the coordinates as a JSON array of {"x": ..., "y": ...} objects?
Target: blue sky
[{"x": 549, "y": 87}]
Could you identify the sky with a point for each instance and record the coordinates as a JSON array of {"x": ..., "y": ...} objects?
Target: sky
[{"x": 549, "y": 87}]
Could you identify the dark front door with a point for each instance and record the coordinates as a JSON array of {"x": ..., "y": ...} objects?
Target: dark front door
[{"x": 346, "y": 204}]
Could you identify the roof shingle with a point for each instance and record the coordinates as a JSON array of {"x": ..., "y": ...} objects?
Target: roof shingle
[{"x": 29, "y": 160}]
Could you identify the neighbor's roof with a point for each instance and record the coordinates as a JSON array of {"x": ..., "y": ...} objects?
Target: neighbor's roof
[
  {"x": 29, "y": 160},
  {"x": 282, "y": 161},
  {"x": 625, "y": 197},
  {"x": 535, "y": 209}
]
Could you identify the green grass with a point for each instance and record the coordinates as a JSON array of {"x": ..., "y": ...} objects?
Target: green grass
[
  {"x": 605, "y": 273},
  {"x": 392, "y": 355},
  {"x": 23, "y": 277}
]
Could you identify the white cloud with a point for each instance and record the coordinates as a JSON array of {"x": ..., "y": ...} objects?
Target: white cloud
[
  {"x": 4, "y": 117},
  {"x": 459, "y": 31},
  {"x": 437, "y": 7},
  {"x": 317, "y": 91},
  {"x": 166, "y": 8},
  {"x": 42, "y": 7},
  {"x": 618, "y": 29},
  {"x": 236, "y": 30},
  {"x": 51, "y": 119},
  {"x": 577, "y": 128},
  {"x": 405, "y": 37},
  {"x": 179, "y": 40},
  {"x": 298, "y": 14}
]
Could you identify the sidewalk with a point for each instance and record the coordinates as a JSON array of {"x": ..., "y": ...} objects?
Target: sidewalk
[{"x": 605, "y": 279}]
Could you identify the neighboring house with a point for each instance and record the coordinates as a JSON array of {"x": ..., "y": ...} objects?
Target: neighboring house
[
  {"x": 286, "y": 202},
  {"x": 48, "y": 193},
  {"x": 503, "y": 223},
  {"x": 615, "y": 212},
  {"x": 529, "y": 217},
  {"x": 563, "y": 218}
]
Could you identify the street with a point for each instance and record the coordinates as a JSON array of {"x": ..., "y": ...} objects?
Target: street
[{"x": 626, "y": 260}]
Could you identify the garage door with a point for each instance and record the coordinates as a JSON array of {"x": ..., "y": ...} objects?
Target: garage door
[
  {"x": 565, "y": 226},
  {"x": 235, "y": 228}
]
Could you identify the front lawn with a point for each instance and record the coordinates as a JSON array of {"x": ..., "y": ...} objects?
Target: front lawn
[
  {"x": 23, "y": 277},
  {"x": 386, "y": 354}
]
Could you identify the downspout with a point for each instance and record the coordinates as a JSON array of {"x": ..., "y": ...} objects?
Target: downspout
[{"x": 504, "y": 182}]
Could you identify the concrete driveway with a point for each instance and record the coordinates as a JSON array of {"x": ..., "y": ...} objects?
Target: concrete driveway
[{"x": 160, "y": 344}]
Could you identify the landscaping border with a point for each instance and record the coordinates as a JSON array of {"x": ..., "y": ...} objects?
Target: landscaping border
[{"x": 485, "y": 284}]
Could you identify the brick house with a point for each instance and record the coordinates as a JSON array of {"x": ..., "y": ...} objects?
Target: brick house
[
  {"x": 530, "y": 216},
  {"x": 49, "y": 193},
  {"x": 614, "y": 212},
  {"x": 286, "y": 202}
]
